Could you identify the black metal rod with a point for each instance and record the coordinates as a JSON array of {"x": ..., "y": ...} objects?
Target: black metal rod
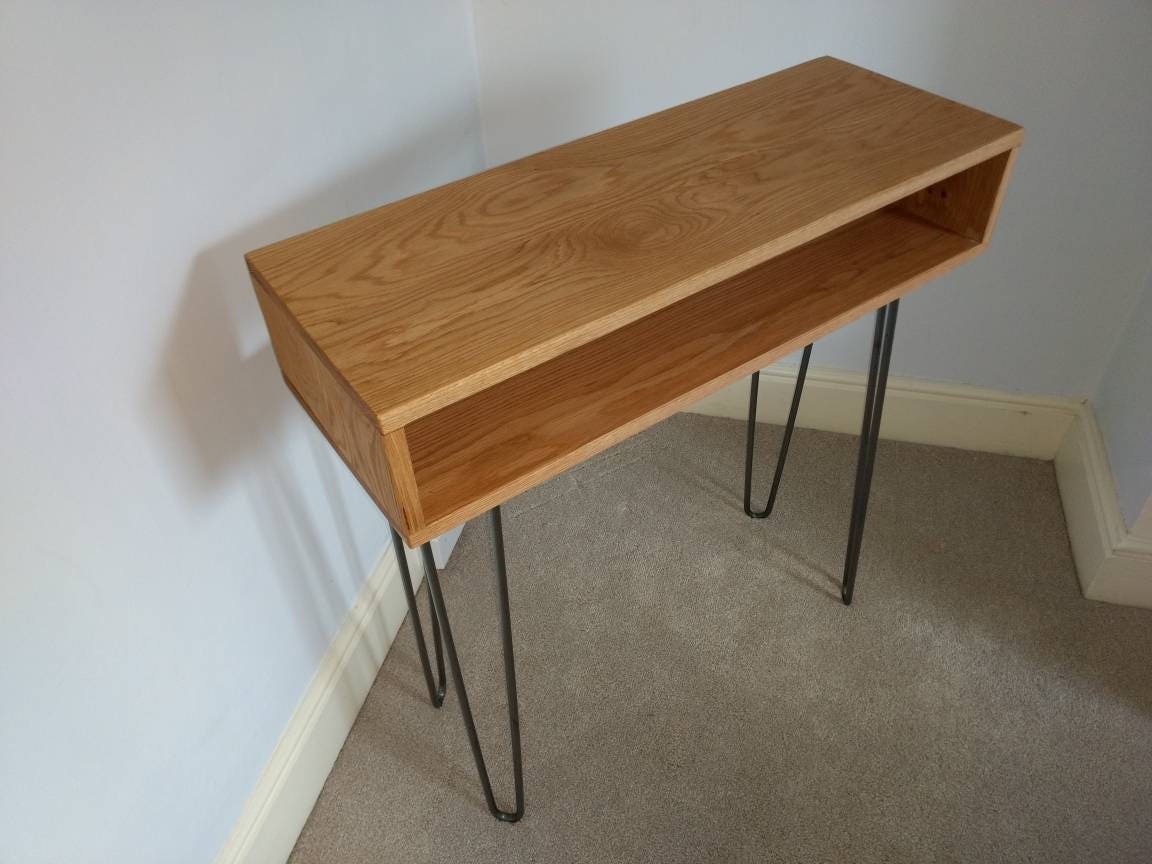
[
  {"x": 749, "y": 451},
  {"x": 869, "y": 437},
  {"x": 435, "y": 690},
  {"x": 866, "y": 422},
  {"x": 509, "y": 673}
]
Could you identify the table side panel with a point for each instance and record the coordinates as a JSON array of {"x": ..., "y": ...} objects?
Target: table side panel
[
  {"x": 965, "y": 203},
  {"x": 379, "y": 461}
]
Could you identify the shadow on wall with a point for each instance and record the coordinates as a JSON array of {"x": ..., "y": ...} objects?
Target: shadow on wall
[{"x": 231, "y": 419}]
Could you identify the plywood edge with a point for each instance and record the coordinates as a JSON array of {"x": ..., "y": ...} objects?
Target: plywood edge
[
  {"x": 439, "y": 523},
  {"x": 404, "y": 482},
  {"x": 395, "y": 416}
]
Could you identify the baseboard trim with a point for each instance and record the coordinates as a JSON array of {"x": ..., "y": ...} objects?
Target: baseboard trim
[
  {"x": 287, "y": 790},
  {"x": 923, "y": 412},
  {"x": 1113, "y": 563}
]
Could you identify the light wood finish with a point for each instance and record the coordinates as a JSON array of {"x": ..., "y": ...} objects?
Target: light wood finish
[
  {"x": 373, "y": 458},
  {"x": 966, "y": 202},
  {"x": 506, "y": 439},
  {"x": 428, "y": 300},
  {"x": 494, "y": 331},
  {"x": 403, "y": 480}
]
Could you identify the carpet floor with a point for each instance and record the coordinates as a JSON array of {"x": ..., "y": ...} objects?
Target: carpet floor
[{"x": 693, "y": 690}]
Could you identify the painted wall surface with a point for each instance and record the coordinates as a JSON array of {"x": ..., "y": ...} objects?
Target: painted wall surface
[
  {"x": 178, "y": 545},
  {"x": 1040, "y": 311},
  {"x": 1123, "y": 405}
]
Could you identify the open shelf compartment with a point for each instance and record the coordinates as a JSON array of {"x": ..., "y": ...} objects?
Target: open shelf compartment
[{"x": 488, "y": 447}]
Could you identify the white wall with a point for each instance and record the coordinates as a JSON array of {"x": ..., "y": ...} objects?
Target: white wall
[
  {"x": 1123, "y": 404},
  {"x": 177, "y": 544},
  {"x": 1041, "y": 310}
]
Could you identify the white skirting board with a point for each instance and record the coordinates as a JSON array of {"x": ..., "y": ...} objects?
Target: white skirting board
[
  {"x": 1114, "y": 563},
  {"x": 286, "y": 791},
  {"x": 924, "y": 412}
]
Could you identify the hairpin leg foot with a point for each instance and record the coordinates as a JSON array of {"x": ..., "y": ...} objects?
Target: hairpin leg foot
[
  {"x": 869, "y": 437},
  {"x": 435, "y": 690},
  {"x": 753, "y": 393},
  {"x": 509, "y": 672}
]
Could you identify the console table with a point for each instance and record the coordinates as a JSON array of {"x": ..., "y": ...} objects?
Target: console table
[{"x": 465, "y": 344}]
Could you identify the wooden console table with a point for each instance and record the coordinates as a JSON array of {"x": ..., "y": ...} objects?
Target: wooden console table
[{"x": 465, "y": 344}]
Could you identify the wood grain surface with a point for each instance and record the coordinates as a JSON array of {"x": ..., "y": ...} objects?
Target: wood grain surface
[
  {"x": 379, "y": 461},
  {"x": 965, "y": 203},
  {"x": 482, "y": 450},
  {"x": 427, "y": 301},
  {"x": 465, "y": 344}
]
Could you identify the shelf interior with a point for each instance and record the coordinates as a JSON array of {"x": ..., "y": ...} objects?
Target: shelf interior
[{"x": 477, "y": 452}]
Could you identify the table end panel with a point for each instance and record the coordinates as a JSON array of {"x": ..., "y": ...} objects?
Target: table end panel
[{"x": 379, "y": 460}]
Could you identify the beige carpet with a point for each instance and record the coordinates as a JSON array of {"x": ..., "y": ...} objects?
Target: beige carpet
[{"x": 693, "y": 690}]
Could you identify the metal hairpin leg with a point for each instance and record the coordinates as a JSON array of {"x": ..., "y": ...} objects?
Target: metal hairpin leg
[
  {"x": 509, "y": 672},
  {"x": 435, "y": 691},
  {"x": 754, "y": 391},
  {"x": 869, "y": 436}
]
